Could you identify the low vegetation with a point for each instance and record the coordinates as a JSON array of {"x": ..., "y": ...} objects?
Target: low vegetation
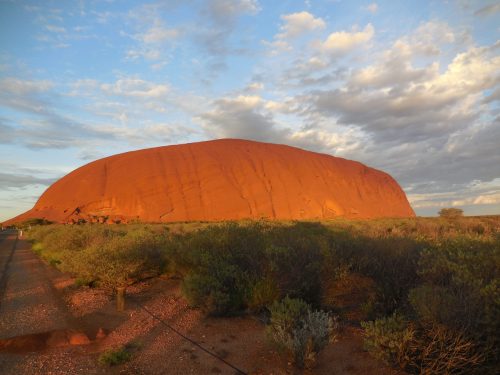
[
  {"x": 298, "y": 330},
  {"x": 451, "y": 213},
  {"x": 431, "y": 287},
  {"x": 114, "y": 357}
]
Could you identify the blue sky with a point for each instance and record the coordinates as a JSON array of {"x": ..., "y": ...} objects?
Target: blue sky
[{"x": 409, "y": 87}]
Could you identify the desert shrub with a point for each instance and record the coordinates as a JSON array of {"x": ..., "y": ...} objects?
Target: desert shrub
[
  {"x": 264, "y": 292},
  {"x": 392, "y": 263},
  {"x": 286, "y": 315},
  {"x": 294, "y": 258},
  {"x": 462, "y": 290},
  {"x": 120, "y": 260},
  {"x": 440, "y": 350},
  {"x": 54, "y": 262},
  {"x": 467, "y": 267},
  {"x": 340, "y": 255},
  {"x": 255, "y": 264},
  {"x": 296, "y": 272},
  {"x": 114, "y": 357},
  {"x": 37, "y": 234},
  {"x": 37, "y": 248},
  {"x": 451, "y": 213},
  {"x": 455, "y": 301},
  {"x": 79, "y": 282},
  {"x": 33, "y": 222},
  {"x": 110, "y": 256},
  {"x": 222, "y": 290},
  {"x": 389, "y": 339},
  {"x": 437, "y": 304},
  {"x": 299, "y": 331},
  {"x": 320, "y": 327},
  {"x": 220, "y": 265},
  {"x": 433, "y": 349}
]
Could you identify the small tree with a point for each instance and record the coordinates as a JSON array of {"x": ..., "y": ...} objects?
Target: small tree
[{"x": 451, "y": 212}]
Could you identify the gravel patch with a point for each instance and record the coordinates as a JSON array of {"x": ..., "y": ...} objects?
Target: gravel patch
[{"x": 86, "y": 300}]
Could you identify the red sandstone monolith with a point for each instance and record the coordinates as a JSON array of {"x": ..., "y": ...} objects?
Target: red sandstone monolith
[{"x": 227, "y": 179}]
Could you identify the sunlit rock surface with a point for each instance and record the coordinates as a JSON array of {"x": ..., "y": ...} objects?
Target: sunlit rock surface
[{"x": 226, "y": 179}]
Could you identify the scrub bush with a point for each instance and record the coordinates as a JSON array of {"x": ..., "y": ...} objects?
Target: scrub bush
[
  {"x": 220, "y": 266},
  {"x": 389, "y": 339},
  {"x": 432, "y": 349},
  {"x": 114, "y": 357},
  {"x": 297, "y": 330}
]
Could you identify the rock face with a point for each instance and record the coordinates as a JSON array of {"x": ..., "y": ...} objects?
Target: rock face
[{"x": 225, "y": 179}]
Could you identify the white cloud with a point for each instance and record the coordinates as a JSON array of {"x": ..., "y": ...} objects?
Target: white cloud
[
  {"x": 332, "y": 142},
  {"x": 252, "y": 117},
  {"x": 372, "y": 8},
  {"x": 241, "y": 102},
  {"x": 17, "y": 86},
  {"x": 158, "y": 33},
  {"x": 223, "y": 11},
  {"x": 345, "y": 41},
  {"x": 255, "y": 86},
  {"x": 297, "y": 24},
  {"x": 135, "y": 87},
  {"x": 154, "y": 40},
  {"x": 464, "y": 196},
  {"x": 474, "y": 70},
  {"x": 430, "y": 37},
  {"x": 488, "y": 199},
  {"x": 152, "y": 46},
  {"x": 55, "y": 29},
  {"x": 240, "y": 117}
]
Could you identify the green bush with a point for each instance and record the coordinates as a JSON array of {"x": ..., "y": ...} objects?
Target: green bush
[
  {"x": 451, "y": 213},
  {"x": 468, "y": 267},
  {"x": 461, "y": 290},
  {"x": 264, "y": 292},
  {"x": 393, "y": 264},
  {"x": 114, "y": 357},
  {"x": 294, "y": 257},
  {"x": 389, "y": 339},
  {"x": 109, "y": 256},
  {"x": 221, "y": 264},
  {"x": 436, "y": 304},
  {"x": 37, "y": 248},
  {"x": 285, "y": 316},
  {"x": 230, "y": 267},
  {"x": 221, "y": 290}
]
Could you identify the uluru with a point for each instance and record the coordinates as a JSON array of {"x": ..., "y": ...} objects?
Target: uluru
[{"x": 226, "y": 179}]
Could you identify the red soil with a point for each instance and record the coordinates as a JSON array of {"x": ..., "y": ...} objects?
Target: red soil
[{"x": 226, "y": 179}]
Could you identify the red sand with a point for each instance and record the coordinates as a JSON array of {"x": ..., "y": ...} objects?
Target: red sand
[{"x": 227, "y": 179}]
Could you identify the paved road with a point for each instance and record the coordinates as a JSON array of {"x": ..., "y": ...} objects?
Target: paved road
[
  {"x": 8, "y": 241},
  {"x": 30, "y": 305},
  {"x": 28, "y": 302}
]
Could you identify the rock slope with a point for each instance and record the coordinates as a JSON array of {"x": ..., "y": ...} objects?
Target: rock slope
[{"x": 227, "y": 179}]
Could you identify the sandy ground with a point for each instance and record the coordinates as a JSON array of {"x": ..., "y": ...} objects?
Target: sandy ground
[{"x": 42, "y": 314}]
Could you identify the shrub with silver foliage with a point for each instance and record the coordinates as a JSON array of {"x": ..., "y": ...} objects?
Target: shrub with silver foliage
[{"x": 308, "y": 335}]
